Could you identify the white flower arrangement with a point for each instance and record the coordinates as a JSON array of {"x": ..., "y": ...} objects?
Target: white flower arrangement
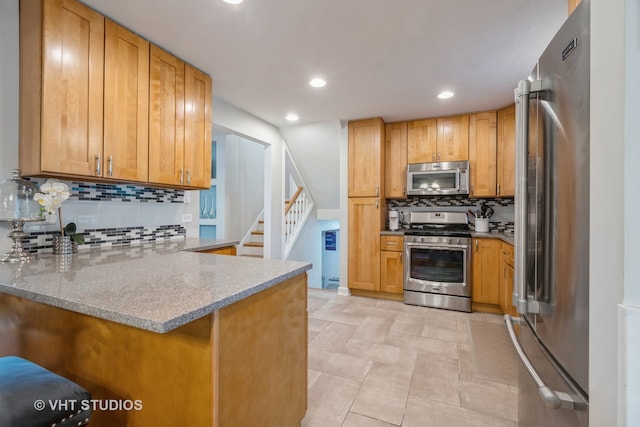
[{"x": 52, "y": 194}]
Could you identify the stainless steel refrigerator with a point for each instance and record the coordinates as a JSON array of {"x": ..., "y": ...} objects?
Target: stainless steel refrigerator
[{"x": 551, "y": 287}]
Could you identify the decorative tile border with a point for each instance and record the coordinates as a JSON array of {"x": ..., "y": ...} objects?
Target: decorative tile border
[
  {"x": 101, "y": 192},
  {"x": 42, "y": 241}
]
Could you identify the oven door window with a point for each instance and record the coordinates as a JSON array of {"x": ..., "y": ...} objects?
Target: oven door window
[
  {"x": 434, "y": 181},
  {"x": 437, "y": 265}
]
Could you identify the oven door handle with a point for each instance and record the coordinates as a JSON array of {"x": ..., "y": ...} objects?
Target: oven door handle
[{"x": 436, "y": 246}]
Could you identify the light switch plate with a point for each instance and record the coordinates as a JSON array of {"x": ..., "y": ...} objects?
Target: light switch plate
[{"x": 187, "y": 218}]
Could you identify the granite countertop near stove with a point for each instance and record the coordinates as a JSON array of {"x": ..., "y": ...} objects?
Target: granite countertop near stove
[{"x": 155, "y": 286}]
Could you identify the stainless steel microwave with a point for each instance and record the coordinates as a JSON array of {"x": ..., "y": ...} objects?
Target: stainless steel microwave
[{"x": 435, "y": 179}]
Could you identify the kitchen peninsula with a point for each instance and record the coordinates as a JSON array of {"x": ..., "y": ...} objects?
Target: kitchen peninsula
[{"x": 198, "y": 339}]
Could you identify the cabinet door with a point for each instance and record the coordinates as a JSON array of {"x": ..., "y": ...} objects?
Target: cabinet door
[
  {"x": 395, "y": 159},
  {"x": 486, "y": 271},
  {"x": 453, "y": 139},
  {"x": 166, "y": 117},
  {"x": 422, "y": 138},
  {"x": 482, "y": 154},
  {"x": 68, "y": 135},
  {"x": 391, "y": 272},
  {"x": 364, "y": 243},
  {"x": 506, "y": 151},
  {"x": 366, "y": 158},
  {"x": 126, "y": 105},
  {"x": 197, "y": 128}
]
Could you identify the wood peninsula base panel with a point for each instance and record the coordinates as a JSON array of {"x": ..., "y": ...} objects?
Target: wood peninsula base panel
[{"x": 244, "y": 365}]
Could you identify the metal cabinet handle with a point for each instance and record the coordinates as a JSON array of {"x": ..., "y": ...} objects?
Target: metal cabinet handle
[
  {"x": 552, "y": 399},
  {"x": 439, "y": 157},
  {"x": 188, "y": 176},
  {"x": 110, "y": 170},
  {"x": 498, "y": 189},
  {"x": 476, "y": 245},
  {"x": 377, "y": 203},
  {"x": 377, "y": 191},
  {"x": 433, "y": 157},
  {"x": 401, "y": 262},
  {"x": 181, "y": 175},
  {"x": 98, "y": 164}
]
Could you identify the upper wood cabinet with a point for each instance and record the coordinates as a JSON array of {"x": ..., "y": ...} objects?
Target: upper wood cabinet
[
  {"x": 422, "y": 143},
  {"x": 506, "y": 140},
  {"x": 85, "y": 102},
  {"x": 166, "y": 118},
  {"x": 366, "y": 158},
  {"x": 126, "y": 105},
  {"x": 482, "y": 154},
  {"x": 61, "y": 88},
  {"x": 179, "y": 122},
  {"x": 395, "y": 160},
  {"x": 445, "y": 139},
  {"x": 197, "y": 128},
  {"x": 453, "y": 138}
]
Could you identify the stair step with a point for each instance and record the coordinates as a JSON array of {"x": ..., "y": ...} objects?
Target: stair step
[
  {"x": 255, "y": 244},
  {"x": 257, "y": 232},
  {"x": 252, "y": 256}
]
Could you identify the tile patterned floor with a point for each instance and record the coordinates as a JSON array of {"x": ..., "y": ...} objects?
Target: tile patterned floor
[{"x": 377, "y": 363}]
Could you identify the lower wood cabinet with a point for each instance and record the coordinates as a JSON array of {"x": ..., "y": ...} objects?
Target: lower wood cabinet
[
  {"x": 506, "y": 279},
  {"x": 364, "y": 243},
  {"x": 391, "y": 264},
  {"x": 486, "y": 271}
]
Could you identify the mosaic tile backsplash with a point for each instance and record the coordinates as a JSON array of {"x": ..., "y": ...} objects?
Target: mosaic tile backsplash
[
  {"x": 92, "y": 193},
  {"x": 119, "y": 192},
  {"x": 502, "y": 221}
]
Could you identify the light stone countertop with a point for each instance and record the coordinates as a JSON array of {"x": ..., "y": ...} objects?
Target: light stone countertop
[{"x": 154, "y": 286}]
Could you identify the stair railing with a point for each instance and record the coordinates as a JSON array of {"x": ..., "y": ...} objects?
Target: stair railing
[{"x": 296, "y": 212}]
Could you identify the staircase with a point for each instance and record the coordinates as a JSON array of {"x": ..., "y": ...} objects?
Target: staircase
[{"x": 253, "y": 242}]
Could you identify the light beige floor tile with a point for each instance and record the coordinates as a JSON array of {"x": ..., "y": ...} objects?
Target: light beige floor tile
[
  {"x": 312, "y": 377},
  {"x": 423, "y": 345},
  {"x": 381, "y": 353},
  {"x": 333, "y": 337},
  {"x": 437, "y": 333},
  {"x": 314, "y": 303},
  {"x": 443, "y": 319},
  {"x": 357, "y": 420},
  {"x": 383, "y": 395},
  {"x": 339, "y": 364},
  {"x": 373, "y": 329},
  {"x": 490, "y": 398},
  {"x": 371, "y": 310},
  {"x": 317, "y": 325},
  {"x": 330, "y": 398},
  {"x": 408, "y": 324},
  {"x": 436, "y": 378},
  {"x": 399, "y": 306},
  {"x": 427, "y": 413},
  {"x": 335, "y": 313},
  {"x": 311, "y": 336}
]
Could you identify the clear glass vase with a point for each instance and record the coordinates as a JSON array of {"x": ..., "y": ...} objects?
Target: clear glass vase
[{"x": 64, "y": 245}]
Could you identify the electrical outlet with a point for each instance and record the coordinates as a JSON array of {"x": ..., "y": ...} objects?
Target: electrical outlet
[
  {"x": 187, "y": 197},
  {"x": 187, "y": 218}
]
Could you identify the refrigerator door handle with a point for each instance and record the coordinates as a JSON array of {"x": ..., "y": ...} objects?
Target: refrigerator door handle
[
  {"x": 552, "y": 399},
  {"x": 521, "y": 95}
]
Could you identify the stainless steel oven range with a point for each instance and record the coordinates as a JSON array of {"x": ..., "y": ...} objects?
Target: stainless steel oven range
[{"x": 437, "y": 273}]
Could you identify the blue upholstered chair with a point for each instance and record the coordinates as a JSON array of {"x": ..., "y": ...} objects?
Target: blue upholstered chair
[{"x": 31, "y": 396}]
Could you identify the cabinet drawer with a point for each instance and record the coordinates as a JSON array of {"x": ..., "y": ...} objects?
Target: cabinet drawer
[
  {"x": 507, "y": 250},
  {"x": 392, "y": 243}
]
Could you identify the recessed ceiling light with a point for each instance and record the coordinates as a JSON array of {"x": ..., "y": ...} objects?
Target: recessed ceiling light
[
  {"x": 292, "y": 117},
  {"x": 233, "y": 1},
  {"x": 318, "y": 82},
  {"x": 446, "y": 94}
]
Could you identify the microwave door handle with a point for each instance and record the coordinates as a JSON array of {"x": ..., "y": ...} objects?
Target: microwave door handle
[{"x": 458, "y": 179}]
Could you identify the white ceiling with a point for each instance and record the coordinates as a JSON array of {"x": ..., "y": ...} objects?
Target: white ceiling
[{"x": 385, "y": 58}]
